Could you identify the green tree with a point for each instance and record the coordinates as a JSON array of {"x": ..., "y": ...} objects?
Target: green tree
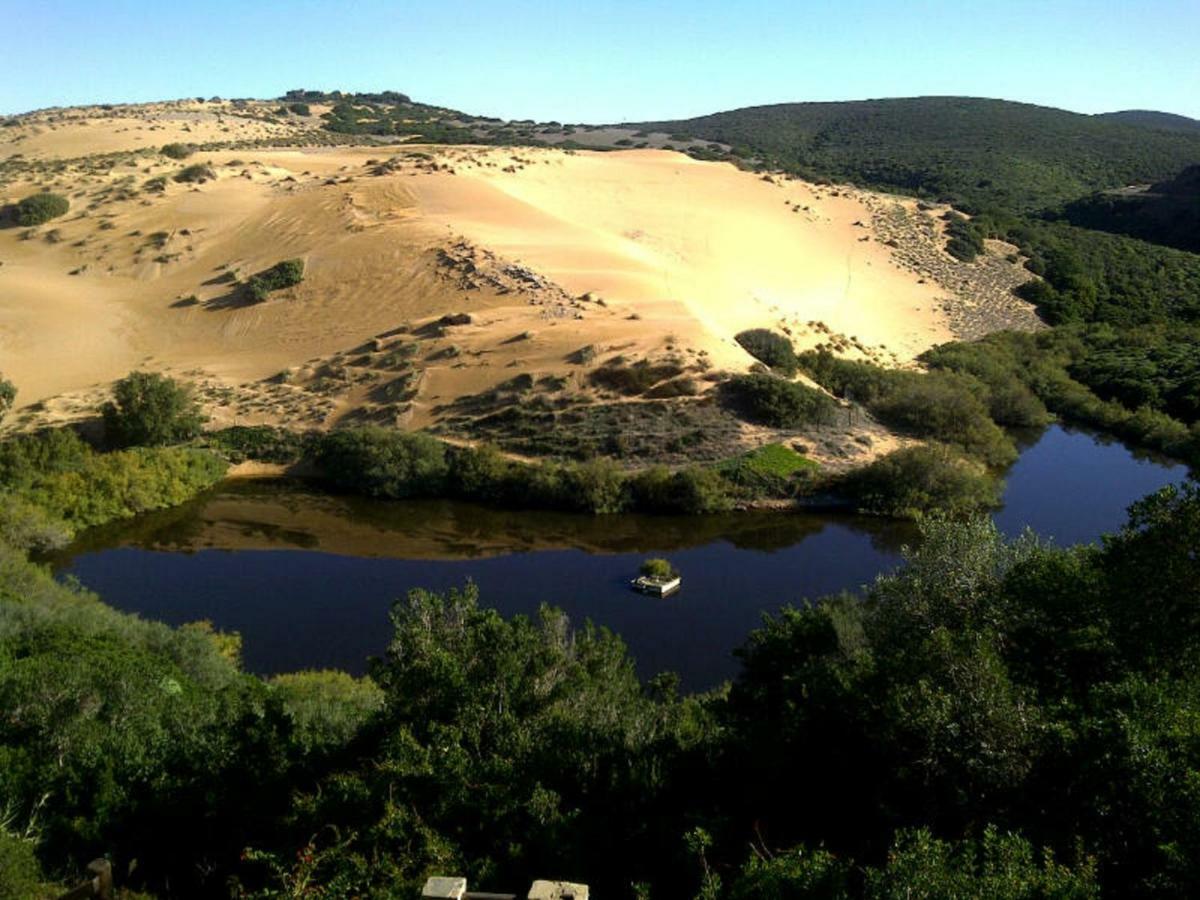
[{"x": 149, "y": 409}]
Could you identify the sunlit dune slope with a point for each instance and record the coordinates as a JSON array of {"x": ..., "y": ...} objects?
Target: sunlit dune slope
[{"x": 638, "y": 253}]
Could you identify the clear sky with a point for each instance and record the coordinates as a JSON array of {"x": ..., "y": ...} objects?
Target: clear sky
[{"x": 602, "y": 61}]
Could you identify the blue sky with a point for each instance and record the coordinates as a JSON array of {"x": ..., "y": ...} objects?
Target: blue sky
[{"x": 606, "y": 61}]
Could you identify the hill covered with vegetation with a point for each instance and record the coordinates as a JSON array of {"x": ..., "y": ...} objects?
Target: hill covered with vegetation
[
  {"x": 1149, "y": 118},
  {"x": 976, "y": 153},
  {"x": 1165, "y": 213}
]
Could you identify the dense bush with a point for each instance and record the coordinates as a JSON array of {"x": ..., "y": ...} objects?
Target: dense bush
[
  {"x": 965, "y": 240},
  {"x": 940, "y": 405},
  {"x": 149, "y": 410},
  {"x": 196, "y": 174},
  {"x": 39, "y": 208},
  {"x": 769, "y": 348},
  {"x": 20, "y": 874},
  {"x": 327, "y": 709},
  {"x": 776, "y": 402},
  {"x": 384, "y": 463},
  {"x": 177, "y": 151},
  {"x": 917, "y": 480},
  {"x": 55, "y": 484},
  {"x": 772, "y": 470},
  {"x": 282, "y": 275},
  {"x": 299, "y": 109}
]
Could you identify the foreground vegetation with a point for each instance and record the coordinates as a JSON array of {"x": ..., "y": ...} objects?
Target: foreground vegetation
[{"x": 994, "y": 719}]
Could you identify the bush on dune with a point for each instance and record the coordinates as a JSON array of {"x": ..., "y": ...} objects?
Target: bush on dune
[
  {"x": 774, "y": 401},
  {"x": 40, "y": 208},
  {"x": 177, "y": 151},
  {"x": 771, "y": 349},
  {"x": 149, "y": 409},
  {"x": 282, "y": 275}
]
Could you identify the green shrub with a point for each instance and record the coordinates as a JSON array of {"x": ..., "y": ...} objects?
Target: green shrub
[
  {"x": 265, "y": 443},
  {"x": 658, "y": 568},
  {"x": 694, "y": 490},
  {"x": 597, "y": 486},
  {"x": 27, "y": 526},
  {"x": 771, "y": 349},
  {"x": 282, "y": 275},
  {"x": 8, "y": 396},
  {"x": 300, "y": 109},
  {"x": 772, "y": 470},
  {"x": 177, "y": 151},
  {"x": 921, "y": 479},
  {"x": 383, "y": 463},
  {"x": 40, "y": 208},
  {"x": 773, "y": 401},
  {"x": 327, "y": 708},
  {"x": 196, "y": 174},
  {"x": 941, "y": 405},
  {"x": 149, "y": 410},
  {"x": 20, "y": 874}
]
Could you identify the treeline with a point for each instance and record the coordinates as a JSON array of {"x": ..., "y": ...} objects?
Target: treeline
[
  {"x": 977, "y": 154},
  {"x": 1140, "y": 384},
  {"x": 994, "y": 719}
]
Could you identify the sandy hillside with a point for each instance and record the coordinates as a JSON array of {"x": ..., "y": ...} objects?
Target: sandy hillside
[{"x": 551, "y": 262}]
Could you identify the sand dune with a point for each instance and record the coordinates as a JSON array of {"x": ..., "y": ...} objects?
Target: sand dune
[{"x": 640, "y": 253}]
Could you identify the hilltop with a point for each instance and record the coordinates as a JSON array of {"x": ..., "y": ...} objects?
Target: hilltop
[
  {"x": 975, "y": 153},
  {"x": 544, "y": 297}
]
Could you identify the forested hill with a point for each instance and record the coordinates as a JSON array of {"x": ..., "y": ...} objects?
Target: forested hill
[
  {"x": 1167, "y": 213},
  {"x": 1148, "y": 118},
  {"x": 980, "y": 154}
]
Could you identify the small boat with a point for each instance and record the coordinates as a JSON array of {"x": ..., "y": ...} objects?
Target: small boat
[{"x": 657, "y": 585}]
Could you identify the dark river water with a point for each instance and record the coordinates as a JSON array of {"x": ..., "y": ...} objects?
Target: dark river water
[{"x": 307, "y": 577}]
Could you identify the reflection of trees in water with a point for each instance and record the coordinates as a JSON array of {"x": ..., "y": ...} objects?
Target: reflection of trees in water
[{"x": 263, "y": 514}]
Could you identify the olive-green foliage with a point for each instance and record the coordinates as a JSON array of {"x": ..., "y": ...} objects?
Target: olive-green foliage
[
  {"x": 503, "y": 745},
  {"x": 20, "y": 874},
  {"x": 910, "y": 482},
  {"x": 988, "y": 680},
  {"x": 1001, "y": 865},
  {"x": 1141, "y": 384},
  {"x": 264, "y": 443},
  {"x": 383, "y": 463},
  {"x": 327, "y": 708},
  {"x": 149, "y": 410},
  {"x": 772, "y": 470},
  {"x": 28, "y": 526},
  {"x": 769, "y": 348},
  {"x": 59, "y": 485},
  {"x": 658, "y": 568},
  {"x": 965, "y": 238},
  {"x": 694, "y": 490},
  {"x": 940, "y": 405},
  {"x": 981, "y": 154},
  {"x": 177, "y": 151},
  {"x": 1168, "y": 213},
  {"x": 197, "y": 173},
  {"x": 1090, "y": 276},
  {"x": 8, "y": 396},
  {"x": 386, "y": 463},
  {"x": 285, "y": 274},
  {"x": 299, "y": 109},
  {"x": 111, "y": 720},
  {"x": 776, "y": 402},
  {"x": 38, "y": 208}
]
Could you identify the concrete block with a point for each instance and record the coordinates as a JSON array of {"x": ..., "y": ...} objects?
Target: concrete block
[
  {"x": 441, "y": 888},
  {"x": 558, "y": 890}
]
